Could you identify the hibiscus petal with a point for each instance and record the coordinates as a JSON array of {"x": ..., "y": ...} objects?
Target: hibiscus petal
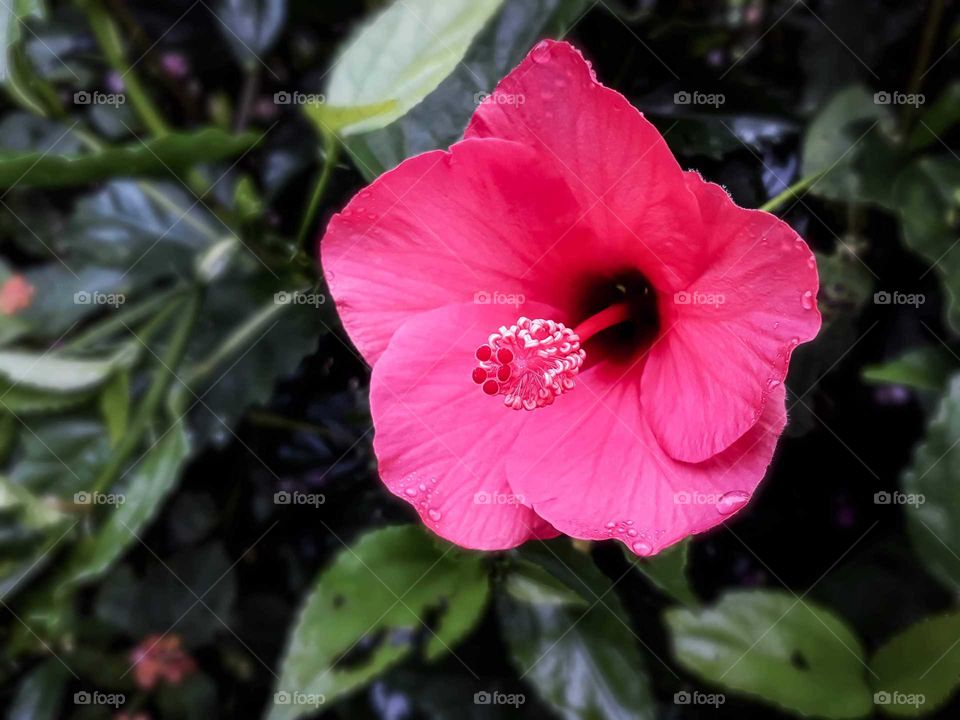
[
  {"x": 449, "y": 227},
  {"x": 729, "y": 335},
  {"x": 625, "y": 177},
  {"x": 442, "y": 445},
  {"x": 595, "y": 471}
]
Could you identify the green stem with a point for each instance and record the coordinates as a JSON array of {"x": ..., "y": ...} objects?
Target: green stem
[
  {"x": 330, "y": 148},
  {"x": 114, "y": 323},
  {"x": 163, "y": 376},
  {"x": 108, "y": 38},
  {"x": 793, "y": 191}
]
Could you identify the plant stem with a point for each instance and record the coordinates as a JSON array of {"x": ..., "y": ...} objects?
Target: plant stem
[
  {"x": 113, "y": 324},
  {"x": 147, "y": 409},
  {"x": 792, "y": 191},
  {"x": 329, "y": 162},
  {"x": 108, "y": 38},
  {"x": 930, "y": 30}
]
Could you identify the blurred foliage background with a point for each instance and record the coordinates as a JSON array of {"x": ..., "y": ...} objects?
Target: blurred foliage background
[{"x": 191, "y": 524}]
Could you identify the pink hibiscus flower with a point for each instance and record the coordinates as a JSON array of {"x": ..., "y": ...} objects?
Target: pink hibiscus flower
[{"x": 568, "y": 333}]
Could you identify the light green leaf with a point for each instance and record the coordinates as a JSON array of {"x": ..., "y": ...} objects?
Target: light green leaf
[
  {"x": 770, "y": 645},
  {"x": 668, "y": 571},
  {"x": 925, "y": 368},
  {"x": 581, "y": 656},
  {"x": 933, "y": 519},
  {"x": 440, "y": 119},
  {"x": 354, "y": 601},
  {"x": 54, "y": 373},
  {"x": 158, "y": 156},
  {"x": 937, "y": 119},
  {"x": 402, "y": 55},
  {"x": 147, "y": 486},
  {"x": 12, "y": 15},
  {"x": 918, "y": 669}
]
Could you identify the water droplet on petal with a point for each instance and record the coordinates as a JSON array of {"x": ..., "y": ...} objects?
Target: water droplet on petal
[
  {"x": 732, "y": 501},
  {"x": 642, "y": 548},
  {"x": 611, "y": 524},
  {"x": 807, "y": 300},
  {"x": 812, "y": 262},
  {"x": 541, "y": 53},
  {"x": 435, "y": 515},
  {"x": 772, "y": 383},
  {"x": 631, "y": 532},
  {"x": 411, "y": 491}
]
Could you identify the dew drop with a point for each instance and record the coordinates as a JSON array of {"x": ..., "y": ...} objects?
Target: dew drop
[
  {"x": 776, "y": 325},
  {"x": 807, "y": 300},
  {"x": 642, "y": 548},
  {"x": 772, "y": 383},
  {"x": 541, "y": 53},
  {"x": 411, "y": 492},
  {"x": 611, "y": 524},
  {"x": 631, "y": 532},
  {"x": 435, "y": 515},
  {"x": 732, "y": 501},
  {"x": 812, "y": 262}
]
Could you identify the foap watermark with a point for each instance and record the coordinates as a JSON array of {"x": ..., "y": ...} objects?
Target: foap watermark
[
  {"x": 283, "y": 697},
  {"x": 85, "y": 697},
  {"x": 113, "y": 300},
  {"x": 499, "y": 98},
  {"x": 298, "y": 98},
  {"x": 685, "y": 497},
  {"x": 684, "y": 97},
  {"x": 898, "y": 498},
  {"x": 499, "y": 698},
  {"x": 284, "y": 497},
  {"x": 899, "y": 698},
  {"x": 495, "y": 297},
  {"x": 698, "y": 698},
  {"x": 684, "y": 297},
  {"x": 99, "y": 498},
  {"x": 898, "y": 298},
  {"x": 896, "y": 97},
  {"x": 84, "y": 97},
  {"x": 299, "y": 298},
  {"x": 496, "y": 498}
]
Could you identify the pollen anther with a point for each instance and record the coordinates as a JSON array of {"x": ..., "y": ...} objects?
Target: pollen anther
[{"x": 529, "y": 363}]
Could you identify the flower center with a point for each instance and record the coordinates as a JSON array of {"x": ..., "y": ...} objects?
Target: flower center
[{"x": 534, "y": 361}]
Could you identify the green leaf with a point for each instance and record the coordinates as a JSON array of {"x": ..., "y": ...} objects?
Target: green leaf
[
  {"x": 54, "y": 373},
  {"x": 251, "y": 27},
  {"x": 115, "y": 405},
  {"x": 147, "y": 486},
  {"x": 770, "y": 645},
  {"x": 929, "y": 202},
  {"x": 581, "y": 656},
  {"x": 60, "y": 456},
  {"x": 352, "y": 626},
  {"x": 440, "y": 119},
  {"x": 925, "y": 368},
  {"x": 849, "y": 140},
  {"x": 933, "y": 520},
  {"x": 158, "y": 156},
  {"x": 40, "y": 692},
  {"x": 21, "y": 400},
  {"x": 402, "y": 55},
  {"x": 668, "y": 571},
  {"x": 937, "y": 119},
  {"x": 12, "y": 15},
  {"x": 918, "y": 669}
]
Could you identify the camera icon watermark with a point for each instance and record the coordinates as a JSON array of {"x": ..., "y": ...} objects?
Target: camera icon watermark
[
  {"x": 898, "y": 298},
  {"x": 696, "y": 97},
  {"x": 298, "y": 98},
  {"x": 299, "y": 298},
  {"x": 499, "y": 98},
  {"x": 113, "y": 300},
  {"x": 898, "y": 498},
  {"x": 684, "y": 297},
  {"x": 284, "y": 697},
  {"x": 85, "y": 697},
  {"x": 899, "y": 698},
  {"x": 499, "y": 698},
  {"x": 98, "y": 498},
  {"x": 495, "y": 297},
  {"x": 85, "y": 97},
  {"x": 284, "y": 497},
  {"x": 896, "y": 97},
  {"x": 685, "y": 697},
  {"x": 484, "y": 497}
]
